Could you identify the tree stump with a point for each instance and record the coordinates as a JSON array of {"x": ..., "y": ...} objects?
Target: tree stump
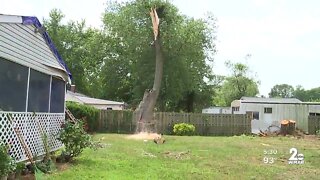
[
  {"x": 284, "y": 127},
  {"x": 287, "y": 127},
  {"x": 292, "y": 127}
]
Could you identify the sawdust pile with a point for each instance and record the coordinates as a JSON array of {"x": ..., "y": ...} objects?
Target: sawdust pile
[{"x": 144, "y": 136}]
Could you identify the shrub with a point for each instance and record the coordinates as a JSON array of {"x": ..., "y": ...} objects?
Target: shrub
[
  {"x": 19, "y": 169},
  {"x": 183, "y": 129},
  {"x": 74, "y": 138},
  {"x": 7, "y": 164},
  {"x": 318, "y": 132},
  {"x": 88, "y": 114},
  {"x": 45, "y": 166}
]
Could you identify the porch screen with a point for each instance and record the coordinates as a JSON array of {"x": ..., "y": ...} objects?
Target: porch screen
[
  {"x": 57, "y": 96},
  {"x": 13, "y": 86},
  {"x": 39, "y": 88}
]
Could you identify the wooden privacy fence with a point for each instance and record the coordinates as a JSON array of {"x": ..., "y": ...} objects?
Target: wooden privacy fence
[
  {"x": 205, "y": 124},
  {"x": 313, "y": 124}
]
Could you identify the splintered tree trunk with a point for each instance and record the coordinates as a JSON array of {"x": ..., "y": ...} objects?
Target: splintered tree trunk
[{"x": 144, "y": 113}]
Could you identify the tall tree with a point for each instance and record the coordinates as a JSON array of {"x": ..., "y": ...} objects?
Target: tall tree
[
  {"x": 186, "y": 45},
  {"x": 282, "y": 90},
  {"x": 237, "y": 85}
]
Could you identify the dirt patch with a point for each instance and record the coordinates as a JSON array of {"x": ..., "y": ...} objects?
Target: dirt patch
[
  {"x": 62, "y": 166},
  {"x": 311, "y": 137},
  {"x": 143, "y": 136},
  {"x": 28, "y": 177}
]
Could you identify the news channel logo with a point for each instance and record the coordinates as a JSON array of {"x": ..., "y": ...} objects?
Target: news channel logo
[
  {"x": 270, "y": 156},
  {"x": 296, "y": 157}
]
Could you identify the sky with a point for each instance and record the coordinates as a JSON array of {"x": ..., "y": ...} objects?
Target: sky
[{"x": 282, "y": 36}]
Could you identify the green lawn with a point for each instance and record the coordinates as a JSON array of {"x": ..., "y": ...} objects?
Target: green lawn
[{"x": 195, "y": 157}]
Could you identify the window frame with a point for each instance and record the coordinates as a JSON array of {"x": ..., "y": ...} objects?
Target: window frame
[
  {"x": 253, "y": 114},
  {"x": 236, "y": 109},
  {"x": 15, "y": 81},
  {"x": 37, "y": 89},
  {"x": 54, "y": 78},
  {"x": 267, "y": 110},
  {"x": 256, "y": 114}
]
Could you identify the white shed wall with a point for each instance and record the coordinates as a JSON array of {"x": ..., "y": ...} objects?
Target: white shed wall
[
  {"x": 314, "y": 108},
  {"x": 211, "y": 111},
  {"x": 296, "y": 112},
  {"x": 217, "y": 110}
]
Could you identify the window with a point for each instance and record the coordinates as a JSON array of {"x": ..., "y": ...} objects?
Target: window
[
  {"x": 255, "y": 115},
  {"x": 268, "y": 110},
  {"x": 314, "y": 114},
  {"x": 109, "y": 108},
  {"x": 13, "y": 86},
  {"x": 57, "y": 96},
  {"x": 235, "y": 109},
  {"x": 39, "y": 88},
  {"x": 250, "y": 113}
]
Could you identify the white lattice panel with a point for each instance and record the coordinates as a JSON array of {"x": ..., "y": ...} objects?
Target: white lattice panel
[{"x": 27, "y": 124}]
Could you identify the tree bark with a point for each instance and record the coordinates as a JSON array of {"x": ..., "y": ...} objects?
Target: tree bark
[{"x": 144, "y": 112}]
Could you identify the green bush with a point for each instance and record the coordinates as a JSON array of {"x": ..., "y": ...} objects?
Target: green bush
[
  {"x": 88, "y": 114},
  {"x": 318, "y": 132},
  {"x": 19, "y": 169},
  {"x": 184, "y": 129},
  {"x": 7, "y": 164},
  {"x": 74, "y": 138}
]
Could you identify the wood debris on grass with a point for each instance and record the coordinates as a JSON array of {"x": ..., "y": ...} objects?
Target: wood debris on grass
[
  {"x": 265, "y": 144},
  {"x": 144, "y": 153},
  {"x": 177, "y": 155},
  {"x": 159, "y": 140},
  {"x": 287, "y": 128}
]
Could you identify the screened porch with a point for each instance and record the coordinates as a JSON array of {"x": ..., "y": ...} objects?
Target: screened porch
[{"x": 35, "y": 101}]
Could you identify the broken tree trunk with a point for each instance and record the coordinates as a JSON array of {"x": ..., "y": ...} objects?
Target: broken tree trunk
[{"x": 144, "y": 112}]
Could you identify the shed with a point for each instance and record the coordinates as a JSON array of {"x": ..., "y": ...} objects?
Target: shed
[
  {"x": 33, "y": 80},
  {"x": 217, "y": 110},
  {"x": 266, "y": 112},
  {"x": 95, "y": 102}
]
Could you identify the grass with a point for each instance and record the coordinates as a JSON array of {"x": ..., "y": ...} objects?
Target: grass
[{"x": 237, "y": 157}]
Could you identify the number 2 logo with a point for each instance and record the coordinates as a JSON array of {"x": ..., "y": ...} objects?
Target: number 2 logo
[{"x": 295, "y": 156}]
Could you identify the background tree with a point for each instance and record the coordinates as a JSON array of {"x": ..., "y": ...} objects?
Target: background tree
[
  {"x": 83, "y": 50},
  {"x": 312, "y": 95},
  {"x": 237, "y": 85},
  {"x": 282, "y": 90},
  {"x": 285, "y": 91}
]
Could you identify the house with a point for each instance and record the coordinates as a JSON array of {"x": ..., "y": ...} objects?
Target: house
[
  {"x": 217, "y": 110},
  {"x": 266, "y": 112},
  {"x": 97, "y": 103},
  {"x": 33, "y": 80}
]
